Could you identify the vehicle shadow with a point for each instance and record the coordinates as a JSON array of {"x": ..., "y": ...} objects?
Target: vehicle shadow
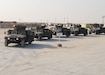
[
  {"x": 55, "y": 40},
  {"x": 82, "y": 37},
  {"x": 33, "y": 46},
  {"x": 39, "y": 46},
  {"x": 61, "y": 37},
  {"x": 77, "y": 37},
  {"x": 93, "y": 35}
]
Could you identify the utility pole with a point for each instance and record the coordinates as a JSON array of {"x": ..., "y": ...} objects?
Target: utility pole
[
  {"x": 67, "y": 18},
  {"x": 20, "y": 20},
  {"x": 103, "y": 19},
  {"x": 55, "y": 20},
  {"x": 64, "y": 20}
]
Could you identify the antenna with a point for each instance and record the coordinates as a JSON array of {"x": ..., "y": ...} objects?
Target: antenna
[
  {"x": 64, "y": 19},
  {"x": 103, "y": 19},
  {"x": 67, "y": 18}
]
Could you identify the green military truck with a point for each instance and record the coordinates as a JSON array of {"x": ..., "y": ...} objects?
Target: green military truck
[
  {"x": 96, "y": 28},
  {"x": 76, "y": 29},
  {"x": 19, "y": 35},
  {"x": 41, "y": 31},
  {"x": 60, "y": 29}
]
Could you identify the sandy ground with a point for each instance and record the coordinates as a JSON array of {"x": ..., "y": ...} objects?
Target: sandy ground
[{"x": 78, "y": 56}]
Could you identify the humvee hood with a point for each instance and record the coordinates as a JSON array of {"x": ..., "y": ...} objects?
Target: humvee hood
[{"x": 16, "y": 36}]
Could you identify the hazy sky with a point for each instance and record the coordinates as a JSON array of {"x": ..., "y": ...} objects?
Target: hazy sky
[{"x": 79, "y": 11}]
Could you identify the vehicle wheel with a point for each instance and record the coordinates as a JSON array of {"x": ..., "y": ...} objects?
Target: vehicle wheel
[
  {"x": 97, "y": 32},
  {"x": 49, "y": 37},
  {"x": 76, "y": 33},
  {"x": 90, "y": 33},
  {"x": 85, "y": 34},
  {"x": 30, "y": 42},
  {"x": 19, "y": 43},
  {"x": 23, "y": 43},
  {"x": 6, "y": 42},
  {"x": 67, "y": 35},
  {"x": 39, "y": 38}
]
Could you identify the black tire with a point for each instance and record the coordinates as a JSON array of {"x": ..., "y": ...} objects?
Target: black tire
[
  {"x": 22, "y": 43},
  {"x": 30, "y": 42},
  {"x": 85, "y": 34},
  {"x": 90, "y": 33},
  {"x": 76, "y": 33},
  {"x": 67, "y": 35},
  {"x": 50, "y": 36},
  {"x": 19, "y": 44},
  {"x": 97, "y": 33},
  {"x": 6, "y": 42},
  {"x": 39, "y": 38}
]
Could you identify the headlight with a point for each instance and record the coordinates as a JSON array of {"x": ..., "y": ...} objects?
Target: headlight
[
  {"x": 8, "y": 38},
  {"x": 17, "y": 38}
]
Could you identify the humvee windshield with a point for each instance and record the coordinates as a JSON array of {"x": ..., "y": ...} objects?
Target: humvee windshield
[
  {"x": 96, "y": 25},
  {"x": 40, "y": 29},
  {"x": 21, "y": 32},
  {"x": 17, "y": 32},
  {"x": 59, "y": 28},
  {"x": 13, "y": 32}
]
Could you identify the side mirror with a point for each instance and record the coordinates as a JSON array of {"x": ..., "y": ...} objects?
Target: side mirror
[
  {"x": 9, "y": 32},
  {"x": 5, "y": 32}
]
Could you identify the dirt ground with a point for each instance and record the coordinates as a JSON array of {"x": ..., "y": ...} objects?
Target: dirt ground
[{"x": 78, "y": 55}]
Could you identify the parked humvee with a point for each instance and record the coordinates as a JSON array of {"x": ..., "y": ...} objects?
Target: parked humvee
[
  {"x": 60, "y": 29},
  {"x": 96, "y": 28},
  {"x": 76, "y": 29},
  {"x": 40, "y": 31},
  {"x": 19, "y": 35}
]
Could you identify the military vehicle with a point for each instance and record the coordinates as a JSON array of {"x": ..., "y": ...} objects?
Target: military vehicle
[
  {"x": 19, "y": 35},
  {"x": 96, "y": 28},
  {"x": 60, "y": 29},
  {"x": 76, "y": 29},
  {"x": 41, "y": 31}
]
